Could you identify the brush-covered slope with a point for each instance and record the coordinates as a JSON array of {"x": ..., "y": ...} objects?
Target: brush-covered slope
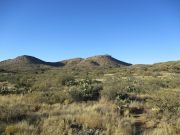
[
  {"x": 103, "y": 61},
  {"x": 171, "y": 66},
  {"x": 26, "y": 63},
  {"x": 72, "y": 62}
]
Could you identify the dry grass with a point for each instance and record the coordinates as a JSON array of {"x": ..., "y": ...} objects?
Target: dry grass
[
  {"x": 156, "y": 111},
  {"x": 91, "y": 120},
  {"x": 55, "y": 126},
  {"x": 21, "y": 128},
  {"x": 102, "y": 116}
]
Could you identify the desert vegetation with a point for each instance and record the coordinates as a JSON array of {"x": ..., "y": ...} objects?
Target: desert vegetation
[{"x": 133, "y": 100}]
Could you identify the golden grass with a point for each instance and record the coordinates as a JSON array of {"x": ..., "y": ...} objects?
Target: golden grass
[
  {"x": 56, "y": 119},
  {"x": 21, "y": 128},
  {"x": 91, "y": 120}
]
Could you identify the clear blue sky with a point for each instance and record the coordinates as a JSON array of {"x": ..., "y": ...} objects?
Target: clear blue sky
[{"x": 136, "y": 31}]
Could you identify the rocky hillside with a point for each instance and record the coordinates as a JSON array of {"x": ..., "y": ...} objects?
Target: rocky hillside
[
  {"x": 26, "y": 63},
  {"x": 103, "y": 61}
]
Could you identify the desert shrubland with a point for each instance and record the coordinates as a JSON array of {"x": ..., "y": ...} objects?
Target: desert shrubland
[{"x": 115, "y": 101}]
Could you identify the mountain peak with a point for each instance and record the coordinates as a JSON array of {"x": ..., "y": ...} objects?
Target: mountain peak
[
  {"x": 28, "y": 59},
  {"x": 103, "y": 60},
  {"x": 26, "y": 62}
]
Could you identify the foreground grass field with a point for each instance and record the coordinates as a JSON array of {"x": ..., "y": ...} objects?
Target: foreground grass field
[{"x": 137, "y": 100}]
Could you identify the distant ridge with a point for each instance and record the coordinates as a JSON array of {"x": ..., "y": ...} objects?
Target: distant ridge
[
  {"x": 104, "y": 61},
  {"x": 72, "y": 62},
  {"x": 26, "y": 63}
]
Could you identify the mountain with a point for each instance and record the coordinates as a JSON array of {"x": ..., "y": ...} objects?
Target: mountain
[
  {"x": 26, "y": 63},
  {"x": 171, "y": 67},
  {"x": 103, "y": 61},
  {"x": 72, "y": 62}
]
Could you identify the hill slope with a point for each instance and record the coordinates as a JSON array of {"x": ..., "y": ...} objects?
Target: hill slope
[
  {"x": 26, "y": 63},
  {"x": 103, "y": 61},
  {"x": 72, "y": 62}
]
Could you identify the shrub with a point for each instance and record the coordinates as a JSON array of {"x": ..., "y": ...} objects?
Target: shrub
[
  {"x": 6, "y": 91},
  {"x": 55, "y": 125},
  {"x": 167, "y": 103},
  {"x": 85, "y": 91},
  {"x": 93, "y": 121},
  {"x": 68, "y": 81},
  {"x": 91, "y": 92},
  {"x": 114, "y": 88},
  {"x": 21, "y": 128},
  {"x": 52, "y": 97},
  {"x": 13, "y": 113},
  {"x": 2, "y": 128}
]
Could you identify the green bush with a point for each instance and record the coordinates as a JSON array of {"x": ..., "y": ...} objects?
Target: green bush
[
  {"x": 114, "y": 88},
  {"x": 52, "y": 97},
  {"x": 7, "y": 91},
  {"x": 85, "y": 91},
  {"x": 2, "y": 128},
  {"x": 167, "y": 102},
  {"x": 68, "y": 81},
  {"x": 7, "y": 88}
]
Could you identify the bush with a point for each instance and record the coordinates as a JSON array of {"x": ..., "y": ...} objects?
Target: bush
[
  {"x": 20, "y": 128},
  {"x": 6, "y": 91},
  {"x": 115, "y": 88},
  {"x": 52, "y": 97},
  {"x": 167, "y": 102},
  {"x": 85, "y": 91},
  {"x": 2, "y": 128},
  {"x": 68, "y": 81}
]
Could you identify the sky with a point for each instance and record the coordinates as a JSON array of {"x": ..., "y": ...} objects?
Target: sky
[{"x": 135, "y": 31}]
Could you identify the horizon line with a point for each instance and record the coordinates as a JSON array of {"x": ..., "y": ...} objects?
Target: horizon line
[{"x": 164, "y": 61}]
